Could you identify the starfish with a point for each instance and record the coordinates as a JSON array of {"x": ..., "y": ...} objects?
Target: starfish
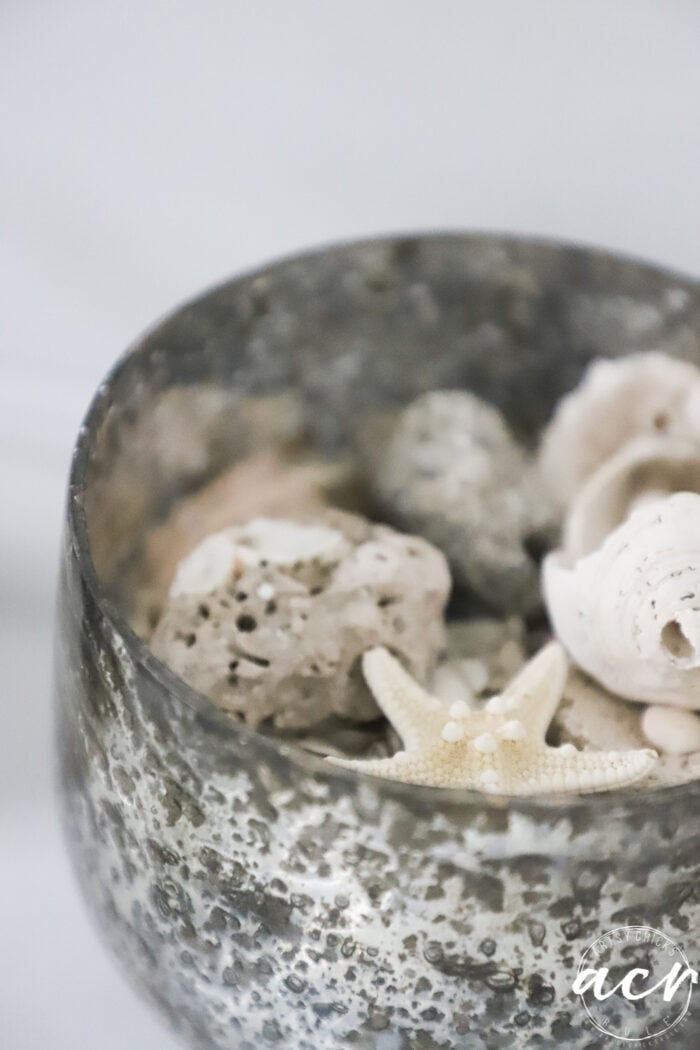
[{"x": 499, "y": 748}]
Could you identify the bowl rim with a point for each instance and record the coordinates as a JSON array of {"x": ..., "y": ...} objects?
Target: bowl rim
[{"x": 139, "y": 651}]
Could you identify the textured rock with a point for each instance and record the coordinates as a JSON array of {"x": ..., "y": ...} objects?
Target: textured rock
[
  {"x": 451, "y": 471},
  {"x": 269, "y": 619},
  {"x": 267, "y": 482}
]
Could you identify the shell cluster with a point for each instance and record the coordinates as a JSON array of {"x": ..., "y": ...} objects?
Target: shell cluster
[
  {"x": 274, "y": 616},
  {"x": 622, "y": 454}
]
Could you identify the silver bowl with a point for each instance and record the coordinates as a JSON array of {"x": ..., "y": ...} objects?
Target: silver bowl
[{"x": 255, "y": 895}]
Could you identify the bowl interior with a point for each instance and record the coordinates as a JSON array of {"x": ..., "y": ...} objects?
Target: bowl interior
[
  {"x": 312, "y": 348},
  {"x": 322, "y": 341}
]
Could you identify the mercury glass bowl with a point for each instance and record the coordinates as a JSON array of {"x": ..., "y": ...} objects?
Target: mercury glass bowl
[{"x": 253, "y": 894}]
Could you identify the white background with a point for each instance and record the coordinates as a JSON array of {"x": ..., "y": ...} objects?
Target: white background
[{"x": 152, "y": 147}]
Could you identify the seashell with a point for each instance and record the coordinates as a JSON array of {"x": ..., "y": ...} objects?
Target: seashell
[
  {"x": 451, "y": 471},
  {"x": 645, "y": 470},
  {"x": 649, "y": 394},
  {"x": 629, "y": 612},
  {"x": 671, "y": 730}
]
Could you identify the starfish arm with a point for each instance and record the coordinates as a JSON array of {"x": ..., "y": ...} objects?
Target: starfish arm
[
  {"x": 537, "y": 690},
  {"x": 436, "y": 765},
  {"x": 386, "y": 768},
  {"x": 410, "y": 709},
  {"x": 566, "y": 770}
]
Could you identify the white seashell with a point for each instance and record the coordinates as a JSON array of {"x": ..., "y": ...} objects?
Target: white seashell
[
  {"x": 671, "y": 730},
  {"x": 629, "y": 612},
  {"x": 644, "y": 471},
  {"x": 617, "y": 401}
]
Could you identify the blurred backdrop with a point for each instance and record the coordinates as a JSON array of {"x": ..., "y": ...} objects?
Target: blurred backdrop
[{"x": 153, "y": 147}]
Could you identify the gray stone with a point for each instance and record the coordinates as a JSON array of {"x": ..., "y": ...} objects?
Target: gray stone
[{"x": 451, "y": 471}]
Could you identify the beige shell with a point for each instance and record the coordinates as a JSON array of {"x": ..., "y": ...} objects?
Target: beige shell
[
  {"x": 646, "y": 469},
  {"x": 618, "y": 400},
  {"x": 629, "y": 612}
]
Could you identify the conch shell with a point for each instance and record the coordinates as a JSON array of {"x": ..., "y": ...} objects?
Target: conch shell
[
  {"x": 644, "y": 470},
  {"x": 629, "y": 611},
  {"x": 645, "y": 394}
]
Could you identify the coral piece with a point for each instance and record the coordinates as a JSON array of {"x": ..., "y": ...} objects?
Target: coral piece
[
  {"x": 265, "y": 483},
  {"x": 498, "y": 749},
  {"x": 629, "y": 612},
  {"x": 451, "y": 471},
  {"x": 284, "y": 614},
  {"x": 222, "y": 557},
  {"x": 640, "y": 394}
]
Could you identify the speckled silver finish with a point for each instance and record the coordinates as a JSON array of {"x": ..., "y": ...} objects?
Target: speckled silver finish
[{"x": 255, "y": 895}]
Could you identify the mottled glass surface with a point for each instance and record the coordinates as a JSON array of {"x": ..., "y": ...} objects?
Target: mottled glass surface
[{"x": 252, "y": 893}]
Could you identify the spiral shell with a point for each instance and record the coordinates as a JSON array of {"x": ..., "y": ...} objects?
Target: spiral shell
[
  {"x": 629, "y": 612},
  {"x": 645, "y": 394},
  {"x": 644, "y": 470}
]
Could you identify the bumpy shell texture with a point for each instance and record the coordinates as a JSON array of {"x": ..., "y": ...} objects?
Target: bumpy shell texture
[
  {"x": 617, "y": 401},
  {"x": 269, "y": 620},
  {"x": 629, "y": 612},
  {"x": 646, "y": 469},
  {"x": 452, "y": 472}
]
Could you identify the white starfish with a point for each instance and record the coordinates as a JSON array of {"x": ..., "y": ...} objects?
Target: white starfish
[{"x": 499, "y": 748}]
